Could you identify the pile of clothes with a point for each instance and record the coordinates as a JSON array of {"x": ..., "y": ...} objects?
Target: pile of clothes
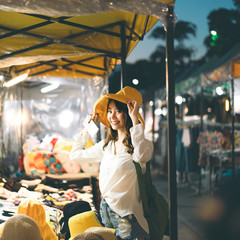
[{"x": 78, "y": 221}]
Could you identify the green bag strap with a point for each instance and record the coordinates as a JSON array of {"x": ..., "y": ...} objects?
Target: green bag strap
[
  {"x": 148, "y": 173},
  {"x": 143, "y": 181}
]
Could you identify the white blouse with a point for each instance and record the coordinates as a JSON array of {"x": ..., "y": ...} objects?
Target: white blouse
[{"x": 117, "y": 177}]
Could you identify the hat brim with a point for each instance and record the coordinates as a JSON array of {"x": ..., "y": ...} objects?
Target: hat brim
[{"x": 110, "y": 229}]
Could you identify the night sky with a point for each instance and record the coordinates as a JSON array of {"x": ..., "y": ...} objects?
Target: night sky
[{"x": 195, "y": 11}]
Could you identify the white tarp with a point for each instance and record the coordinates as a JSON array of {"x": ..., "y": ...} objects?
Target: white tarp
[{"x": 156, "y": 8}]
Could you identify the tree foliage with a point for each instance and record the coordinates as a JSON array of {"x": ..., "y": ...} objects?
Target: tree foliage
[
  {"x": 150, "y": 76},
  {"x": 183, "y": 54},
  {"x": 151, "y": 73},
  {"x": 227, "y": 24},
  {"x": 183, "y": 30},
  {"x": 237, "y": 4}
]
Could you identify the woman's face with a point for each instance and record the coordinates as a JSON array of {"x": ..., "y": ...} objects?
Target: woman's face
[{"x": 116, "y": 117}]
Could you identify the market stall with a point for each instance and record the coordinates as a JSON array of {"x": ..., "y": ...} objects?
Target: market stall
[
  {"x": 191, "y": 111},
  {"x": 77, "y": 41},
  {"x": 76, "y": 51},
  {"x": 227, "y": 69}
]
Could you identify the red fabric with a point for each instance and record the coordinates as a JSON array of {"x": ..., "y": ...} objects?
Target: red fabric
[{"x": 53, "y": 142}]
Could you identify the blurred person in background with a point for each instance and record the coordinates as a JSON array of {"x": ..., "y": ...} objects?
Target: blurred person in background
[{"x": 220, "y": 213}]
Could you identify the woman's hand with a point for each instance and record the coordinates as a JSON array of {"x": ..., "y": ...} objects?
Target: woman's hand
[
  {"x": 133, "y": 110},
  {"x": 93, "y": 117}
]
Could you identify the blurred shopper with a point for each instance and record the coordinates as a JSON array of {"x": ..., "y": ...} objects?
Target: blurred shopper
[{"x": 220, "y": 213}]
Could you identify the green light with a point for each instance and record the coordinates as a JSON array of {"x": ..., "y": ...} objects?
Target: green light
[
  {"x": 214, "y": 37},
  {"x": 213, "y": 32}
]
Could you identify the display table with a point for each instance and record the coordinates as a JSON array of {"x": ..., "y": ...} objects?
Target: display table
[
  {"x": 223, "y": 160},
  {"x": 53, "y": 191}
]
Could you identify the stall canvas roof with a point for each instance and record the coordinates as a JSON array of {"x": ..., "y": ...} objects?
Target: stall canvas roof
[{"x": 73, "y": 38}]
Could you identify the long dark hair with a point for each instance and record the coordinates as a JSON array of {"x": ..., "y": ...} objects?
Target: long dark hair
[{"x": 113, "y": 134}]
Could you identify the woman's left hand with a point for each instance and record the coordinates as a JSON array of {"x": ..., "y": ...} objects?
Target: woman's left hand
[
  {"x": 133, "y": 110},
  {"x": 93, "y": 117}
]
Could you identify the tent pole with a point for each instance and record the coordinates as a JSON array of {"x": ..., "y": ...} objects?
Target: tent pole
[
  {"x": 123, "y": 54},
  {"x": 153, "y": 128},
  {"x": 2, "y": 148},
  {"x": 21, "y": 130},
  {"x": 201, "y": 110},
  {"x": 170, "y": 95},
  {"x": 201, "y": 130},
  {"x": 233, "y": 118}
]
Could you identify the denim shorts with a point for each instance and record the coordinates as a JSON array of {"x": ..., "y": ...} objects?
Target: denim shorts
[{"x": 126, "y": 227}]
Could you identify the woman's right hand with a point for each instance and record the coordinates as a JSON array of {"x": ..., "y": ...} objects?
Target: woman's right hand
[{"x": 133, "y": 110}]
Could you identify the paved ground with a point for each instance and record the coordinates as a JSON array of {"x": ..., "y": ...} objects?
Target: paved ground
[{"x": 188, "y": 199}]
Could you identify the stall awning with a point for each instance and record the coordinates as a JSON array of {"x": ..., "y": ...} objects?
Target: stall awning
[
  {"x": 224, "y": 69},
  {"x": 73, "y": 38},
  {"x": 191, "y": 81}
]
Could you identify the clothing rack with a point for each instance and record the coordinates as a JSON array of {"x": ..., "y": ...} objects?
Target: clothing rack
[
  {"x": 207, "y": 125},
  {"x": 218, "y": 125},
  {"x": 221, "y": 127},
  {"x": 181, "y": 123},
  {"x": 188, "y": 124}
]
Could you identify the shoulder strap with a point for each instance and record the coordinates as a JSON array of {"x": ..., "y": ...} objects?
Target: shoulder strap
[{"x": 143, "y": 181}]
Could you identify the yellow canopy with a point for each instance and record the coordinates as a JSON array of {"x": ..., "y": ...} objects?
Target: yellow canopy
[{"x": 89, "y": 41}]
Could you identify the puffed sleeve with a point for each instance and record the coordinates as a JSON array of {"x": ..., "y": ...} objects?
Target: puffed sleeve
[
  {"x": 91, "y": 154},
  {"x": 143, "y": 148}
]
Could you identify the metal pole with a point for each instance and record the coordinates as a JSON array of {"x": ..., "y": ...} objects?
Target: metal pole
[
  {"x": 233, "y": 118},
  {"x": 21, "y": 127},
  {"x": 201, "y": 110},
  {"x": 170, "y": 92},
  {"x": 201, "y": 130},
  {"x": 123, "y": 54},
  {"x": 153, "y": 128},
  {"x": 2, "y": 148}
]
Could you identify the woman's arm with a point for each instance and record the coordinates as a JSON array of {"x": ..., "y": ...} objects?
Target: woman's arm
[
  {"x": 81, "y": 155},
  {"x": 143, "y": 148}
]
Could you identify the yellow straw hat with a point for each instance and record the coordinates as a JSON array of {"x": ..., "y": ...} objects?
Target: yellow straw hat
[
  {"x": 100, "y": 106},
  {"x": 35, "y": 210},
  {"x": 79, "y": 223}
]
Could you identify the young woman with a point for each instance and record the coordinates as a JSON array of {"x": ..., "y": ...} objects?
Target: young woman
[{"x": 121, "y": 205}]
